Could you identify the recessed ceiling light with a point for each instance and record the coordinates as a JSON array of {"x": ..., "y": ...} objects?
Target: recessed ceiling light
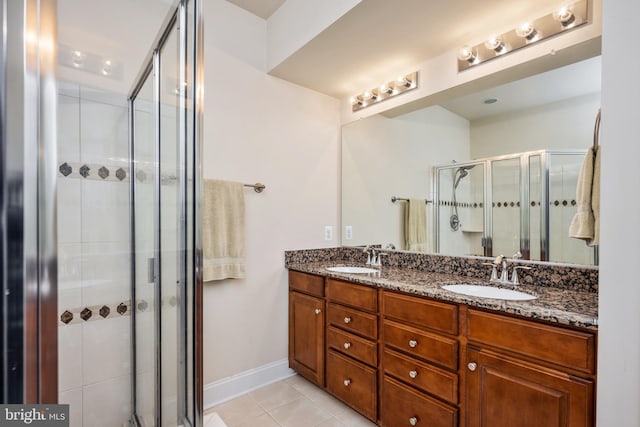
[{"x": 490, "y": 101}]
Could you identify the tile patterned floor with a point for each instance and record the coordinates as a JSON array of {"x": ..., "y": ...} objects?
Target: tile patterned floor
[{"x": 293, "y": 402}]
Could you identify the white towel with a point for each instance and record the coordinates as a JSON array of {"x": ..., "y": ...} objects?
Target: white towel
[
  {"x": 223, "y": 229},
  {"x": 415, "y": 225},
  {"x": 585, "y": 224}
]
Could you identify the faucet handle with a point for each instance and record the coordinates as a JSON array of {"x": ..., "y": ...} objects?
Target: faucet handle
[
  {"x": 494, "y": 270},
  {"x": 517, "y": 255},
  {"x": 515, "y": 280}
]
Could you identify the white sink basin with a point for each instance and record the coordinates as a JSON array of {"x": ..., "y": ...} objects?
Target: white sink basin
[
  {"x": 489, "y": 292},
  {"x": 349, "y": 269}
]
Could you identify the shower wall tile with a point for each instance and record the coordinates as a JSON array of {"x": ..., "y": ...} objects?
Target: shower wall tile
[
  {"x": 68, "y": 128},
  {"x": 102, "y": 132},
  {"x": 106, "y": 349},
  {"x": 105, "y": 211},
  {"x": 73, "y": 397},
  {"x": 70, "y": 358},
  {"x": 70, "y": 260},
  {"x": 107, "y": 403},
  {"x": 69, "y": 211},
  {"x": 70, "y": 299},
  {"x": 106, "y": 268}
]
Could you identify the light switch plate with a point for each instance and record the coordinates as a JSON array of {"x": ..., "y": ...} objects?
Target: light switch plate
[{"x": 328, "y": 232}]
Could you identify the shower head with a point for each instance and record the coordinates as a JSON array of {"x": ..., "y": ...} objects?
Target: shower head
[{"x": 461, "y": 172}]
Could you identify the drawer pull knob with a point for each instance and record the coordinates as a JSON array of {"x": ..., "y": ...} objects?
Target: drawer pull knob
[
  {"x": 347, "y": 345},
  {"x": 347, "y": 382},
  {"x": 413, "y": 343},
  {"x": 318, "y": 311},
  {"x": 413, "y": 421},
  {"x": 413, "y": 374},
  {"x": 472, "y": 366},
  {"x": 347, "y": 320}
]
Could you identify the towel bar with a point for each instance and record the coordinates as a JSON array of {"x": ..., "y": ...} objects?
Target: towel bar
[
  {"x": 257, "y": 187},
  {"x": 400, "y": 199}
]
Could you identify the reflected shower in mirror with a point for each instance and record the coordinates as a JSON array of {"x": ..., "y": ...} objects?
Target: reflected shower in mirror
[{"x": 549, "y": 115}]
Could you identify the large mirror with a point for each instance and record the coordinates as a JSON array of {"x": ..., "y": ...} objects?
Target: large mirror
[{"x": 497, "y": 170}]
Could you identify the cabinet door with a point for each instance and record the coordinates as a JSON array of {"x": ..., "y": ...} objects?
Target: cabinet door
[
  {"x": 306, "y": 336},
  {"x": 506, "y": 392}
]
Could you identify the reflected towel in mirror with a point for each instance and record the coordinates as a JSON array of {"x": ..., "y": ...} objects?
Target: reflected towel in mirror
[
  {"x": 585, "y": 224},
  {"x": 415, "y": 225},
  {"x": 223, "y": 229}
]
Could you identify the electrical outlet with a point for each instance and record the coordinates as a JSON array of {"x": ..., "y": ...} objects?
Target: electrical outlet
[
  {"x": 348, "y": 232},
  {"x": 328, "y": 232}
]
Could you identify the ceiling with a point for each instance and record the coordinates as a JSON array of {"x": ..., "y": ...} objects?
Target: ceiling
[
  {"x": 262, "y": 8},
  {"x": 541, "y": 89}
]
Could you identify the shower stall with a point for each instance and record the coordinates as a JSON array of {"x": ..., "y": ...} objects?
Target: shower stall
[
  {"x": 100, "y": 244},
  {"x": 521, "y": 202}
]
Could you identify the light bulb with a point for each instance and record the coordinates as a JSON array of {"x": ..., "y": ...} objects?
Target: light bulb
[
  {"x": 356, "y": 100},
  {"x": 467, "y": 53},
  {"x": 565, "y": 16},
  {"x": 106, "y": 67},
  {"x": 496, "y": 44},
  {"x": 386, "y": 89},
  {"x": 527, "y": 31},
  {"x": 77, "y": 58}
]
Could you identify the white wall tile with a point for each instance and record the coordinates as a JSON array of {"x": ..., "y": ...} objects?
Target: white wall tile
[
  {"x": 107, "y": 403},
  {"x": 103, "y": 132},
  {"x": 105, "y": 273},
  {"x": 74, "y": 399},
  {"x": 69, "y": 210},
  {"x": 70, "y": 360},
  {"x": 105, "y": 211},
  {"x": 68, "y": 129},
  {"x": 106, "y": 349},
  {"x": 69, "y": 265}
]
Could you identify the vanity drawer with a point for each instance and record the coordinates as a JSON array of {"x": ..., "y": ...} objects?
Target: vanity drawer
[
  {"x": 352, "y": 345},
  {"x": 307, "y": 283},
  {"x": 353, "y": 382},
  {"x": 403, "y": 406},
  {"x": 428, "y": 378},
  {"x": 353, "y": 320},
  {"x": 440, "y": 350},
  {"x": 364, "y": 297},
  {"x": 439, "y": 316},
  {"x": 561, "y": 346}
]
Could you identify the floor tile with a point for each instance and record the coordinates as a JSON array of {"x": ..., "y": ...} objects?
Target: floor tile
[
  {"x": 275, "y": 395},
  {"x": 238, "y": 410},
  {"x": 264, "y": 420},
  {"x": 301, "y": 412}
]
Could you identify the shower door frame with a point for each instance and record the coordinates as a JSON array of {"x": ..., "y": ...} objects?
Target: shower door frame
[{"x": 189, "y": 247}]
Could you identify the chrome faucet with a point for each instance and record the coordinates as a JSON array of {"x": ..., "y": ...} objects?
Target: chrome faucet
[
  {"x": 501, "y": 260},
  {"x": 374, "y": 258}
]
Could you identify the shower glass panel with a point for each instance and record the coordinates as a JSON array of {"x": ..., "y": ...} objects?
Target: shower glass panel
[
  {"x": 169, "y": 224},
  {"x": 505, "y": 206},
  {"x": 563, "y": 179},
  {"x": 144, "y": 316},
  {"x": 536, "y": 225},
  {"x": 459, "y": 209}
]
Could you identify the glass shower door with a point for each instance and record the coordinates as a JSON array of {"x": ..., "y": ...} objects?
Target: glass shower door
[{"x": 505, "y": 206}]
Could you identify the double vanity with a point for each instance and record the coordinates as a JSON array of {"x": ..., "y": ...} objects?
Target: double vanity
[{"x": 394, "y": 344}]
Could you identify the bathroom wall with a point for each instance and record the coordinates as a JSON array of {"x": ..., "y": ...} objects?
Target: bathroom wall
[
  {"x": 93, "y": 249},
  {"x": 384, "y": 157},
  {"x": 260, "y": 128}
]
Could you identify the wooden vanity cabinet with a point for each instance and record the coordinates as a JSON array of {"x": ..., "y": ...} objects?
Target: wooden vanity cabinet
[
  {"x": 352, "y": 350},
  {"x": 528, "y": 374},
  {"x": 307, "y": 326},
  {"x": 420, "y": 362}
]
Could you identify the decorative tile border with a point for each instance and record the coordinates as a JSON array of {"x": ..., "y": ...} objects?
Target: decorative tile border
[
  {"x": 97, "y": 172},
  {"x": 72, "y": 316}
]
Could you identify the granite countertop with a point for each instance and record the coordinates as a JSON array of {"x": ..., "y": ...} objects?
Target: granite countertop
[{"x": 562, "y": 306}]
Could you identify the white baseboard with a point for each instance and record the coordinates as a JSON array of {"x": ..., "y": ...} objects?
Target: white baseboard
[{"x": 227, "y": 388}]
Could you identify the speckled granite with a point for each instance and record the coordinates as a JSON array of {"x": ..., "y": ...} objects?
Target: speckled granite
[{"x": 556, "y": 304}]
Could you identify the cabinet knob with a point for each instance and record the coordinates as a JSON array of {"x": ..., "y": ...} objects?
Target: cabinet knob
[
  {"x": 347, "y": 382},
  {"x": 347, "y": 345},
  {"x": 318, "y": 311},
  {"x": 413, "y": 343},
  {"x": 347, "y": 320},
  {"x": 413, "y": 374},
  {"x": 413, "y": 421},
  {"x": 472, "y": 366}
]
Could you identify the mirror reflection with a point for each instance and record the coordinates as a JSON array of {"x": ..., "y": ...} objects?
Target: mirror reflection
[{"x": 496, "y": 170}]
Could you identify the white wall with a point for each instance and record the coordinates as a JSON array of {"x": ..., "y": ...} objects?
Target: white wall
[
  {"x": 384, "y": 157},
  {"x": 260, "y": 128},
  {"x": 619, "y": 313},
  {"x": 566, "y": 124}
]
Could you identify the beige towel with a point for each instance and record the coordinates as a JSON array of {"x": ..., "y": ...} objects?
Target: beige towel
[
  {"x": 223, "y": 230},
  {"x": 585, "y": 224},
  {"x": 415, "y": 225}
]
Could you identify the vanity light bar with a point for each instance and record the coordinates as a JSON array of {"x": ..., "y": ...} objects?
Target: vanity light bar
[
  {"x": 565, "y": 18},
  {"x": 388, "y": 90}
]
